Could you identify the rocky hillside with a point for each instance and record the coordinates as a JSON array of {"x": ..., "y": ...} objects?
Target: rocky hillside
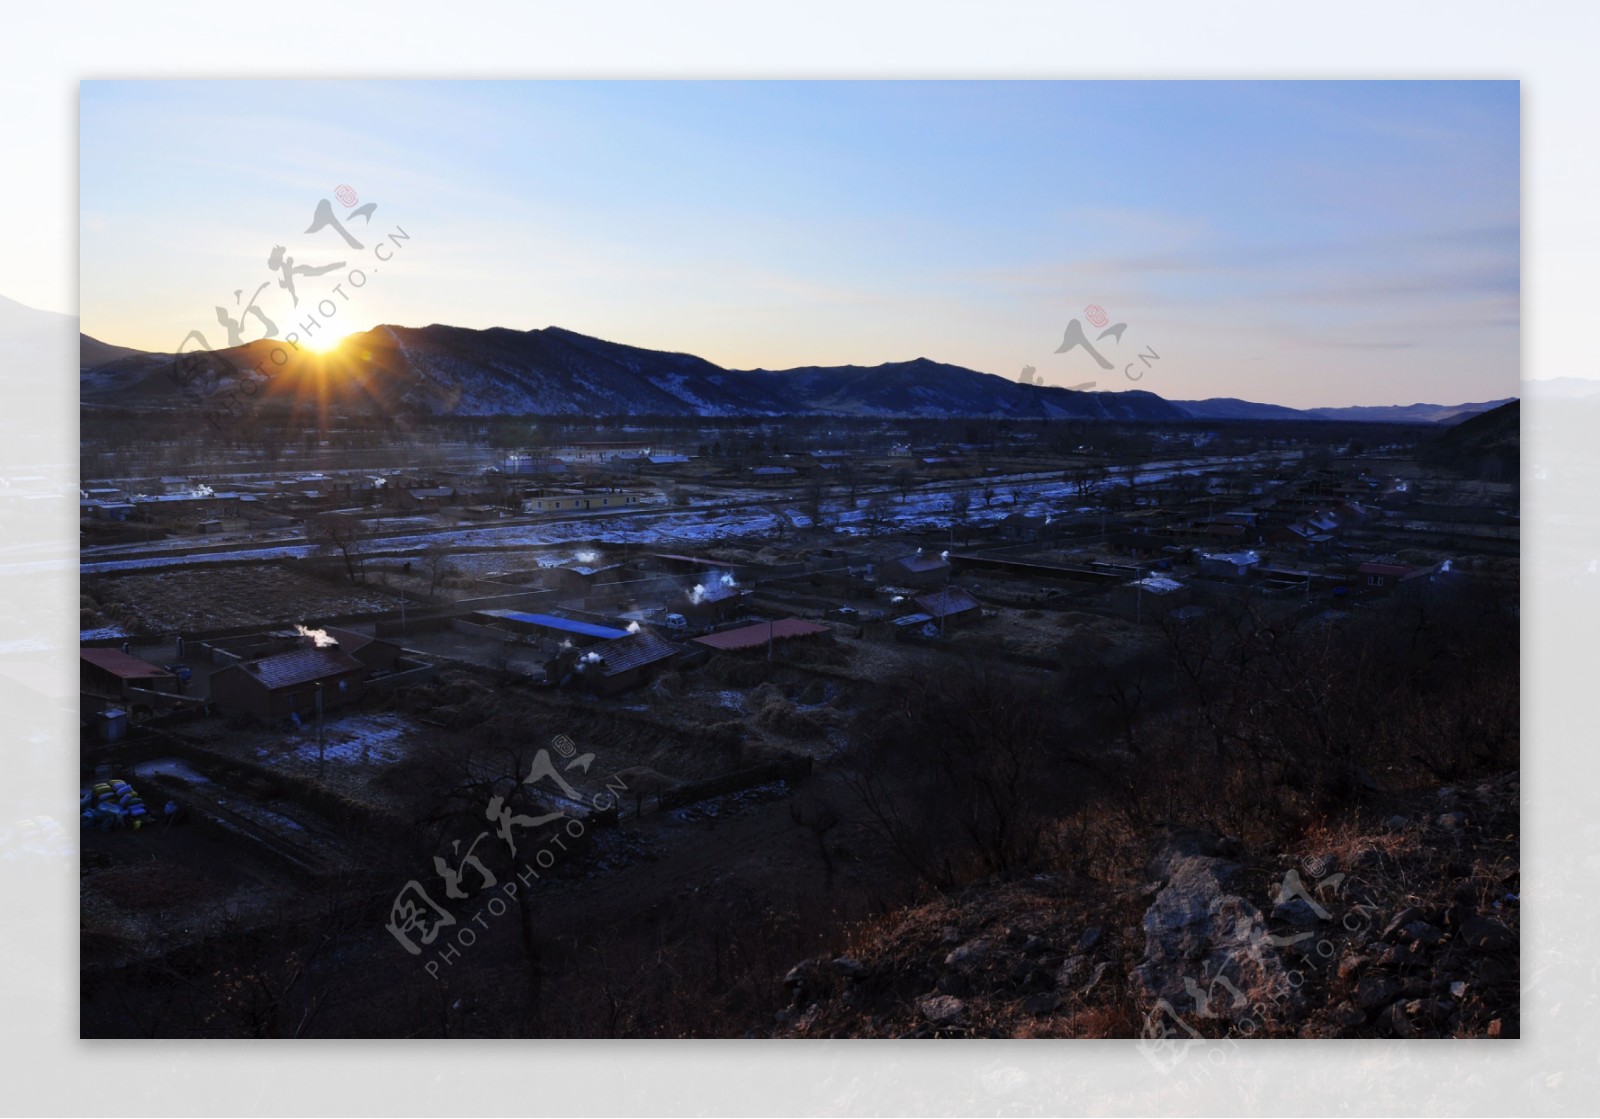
[{"x": 1402, "y": 922}]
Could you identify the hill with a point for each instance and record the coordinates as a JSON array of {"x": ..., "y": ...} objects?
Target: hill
[{"x": 442, "y": 369}]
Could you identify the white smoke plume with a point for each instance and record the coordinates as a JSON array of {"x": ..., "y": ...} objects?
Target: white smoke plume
[{"x": 320, "y": 636}]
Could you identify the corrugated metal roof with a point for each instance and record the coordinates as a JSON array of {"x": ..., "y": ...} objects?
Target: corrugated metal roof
[
  {"x": 300, "y": 666},
  {"x": 121, "y": 664},
  {"x": 564, "y": 625},
  {"x": 631, "y": 651},
  {"x": 749, "y": 637}
]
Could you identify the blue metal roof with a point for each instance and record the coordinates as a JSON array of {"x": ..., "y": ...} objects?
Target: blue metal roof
[{"x": 565, "y": 625}]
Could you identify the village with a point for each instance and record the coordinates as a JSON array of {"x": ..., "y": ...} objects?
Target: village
[{"x": 274, "y": 663}]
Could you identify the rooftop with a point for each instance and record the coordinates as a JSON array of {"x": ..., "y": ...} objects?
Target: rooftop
[
  {"x": 922, "y": 562},
  {"x": 751, "y": 636},
  {"x": 946, "y": 603},
  {"x": 630, "y": 651},
  {"x": 300, "y": 666},
  {"x": 564, "y": 625},
  {"x": 123, "y": 665}
]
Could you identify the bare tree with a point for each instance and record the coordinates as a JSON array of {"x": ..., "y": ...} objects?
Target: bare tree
[
  {"x": 960, "y": 511},
  {"x": 342, "y": 533},
  {"x": 814, "y": 498},
  {"x": 905, "y": 480},
  {"x": 436, "y": 562},
  {"x": 876, "y": 513}
]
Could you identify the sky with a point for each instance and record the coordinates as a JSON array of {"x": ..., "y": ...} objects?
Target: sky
[{"x": 1301, "y": 243}]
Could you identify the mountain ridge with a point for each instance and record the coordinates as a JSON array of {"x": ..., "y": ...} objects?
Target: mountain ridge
[{"x": 442, "y": 369}]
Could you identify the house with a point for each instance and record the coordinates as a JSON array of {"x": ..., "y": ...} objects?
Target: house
[
  {"x": 762, "y": 633},
  {"x": 1227, "y": 565},
  {"x": 951, "y": 606},
  {"x": 1152, "y": 596},
  {"x": 431, "y": 497},
  {"x": 376, "y": 653},
  {"x": 549, "y": 625},
  {"x": 919, "y": 570},
  {"x": 620, "y": 664},
  {"x": 602, "y": 450},
  {"x": 1383, "y": 575},
  {"x": 714, "y": 600},
  {"x": 1021, "y": 526},
  {"x": 115, "y": 675},
  {"x": 536, "y": 465},
  {"x": 577, "y": 502},
  {"x": 1300, "y": 536},
  {"x": 284, "y": 684}
]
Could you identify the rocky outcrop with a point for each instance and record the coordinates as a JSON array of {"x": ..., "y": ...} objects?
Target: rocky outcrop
[{"x": 1208, "y": 953}]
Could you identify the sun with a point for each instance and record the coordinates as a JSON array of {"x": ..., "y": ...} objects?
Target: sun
[{"x": 326, "y": 343}]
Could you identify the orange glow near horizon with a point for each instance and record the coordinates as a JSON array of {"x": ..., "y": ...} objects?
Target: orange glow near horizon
[{"x": 326, "y": 343}]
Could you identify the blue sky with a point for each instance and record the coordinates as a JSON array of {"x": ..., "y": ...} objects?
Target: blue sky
[{"x": 1296, "y": 242}]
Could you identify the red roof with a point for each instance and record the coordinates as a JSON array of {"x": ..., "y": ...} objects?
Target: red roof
[
  {"x": 749, "y": 637},
  {"x": 123, "y": 665}
]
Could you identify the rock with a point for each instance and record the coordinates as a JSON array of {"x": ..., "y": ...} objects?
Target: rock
[
  {"x": 1297, "y": 911},
  {"x": 951, "y": 935},
  {"x": 1035, "y": 944},
  {"x": 1423, "y": 933},
  {"x": 1401, "y": 919},
  {"x": 1346, "y": 1015},
  {"x": 1487, "y": 935},
  {"x": 954, "y": 983},
  {"x": 1094, "y": 980},
  {"x": 803, "y": 974},
  {"x": 941, "y": 1009},
  {"x": 1452, "y": 821},
  {"x": 1432, "y": 1010},
  {"x": 1351, "y": 963},
  {"x": 1396, "y": 956},
  {"x": 1492, "y": 972},
  {"x": 1397, "y": 823},
  {"x": 1399, "y": 1024},
  {"x": 1374, "y": 991},
  {"x": 1458, "y": 990},
  {"x": 1495, "y": 1029},
  {"x": 1091, "y": 936},
  {"x": 1040, "y": 1004},
  {"x": 972, "y": 952},
  {"x": 1230, "y": 847},
  {"x": 1197, "y": 931},
  {"x": 1072, "y": 970},
  {"x": 851, "y": 968}
]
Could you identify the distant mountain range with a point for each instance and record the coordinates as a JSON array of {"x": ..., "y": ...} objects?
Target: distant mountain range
[
  {"x": 1227, "y": 408},
  {"x": 447, "y": 369}
]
